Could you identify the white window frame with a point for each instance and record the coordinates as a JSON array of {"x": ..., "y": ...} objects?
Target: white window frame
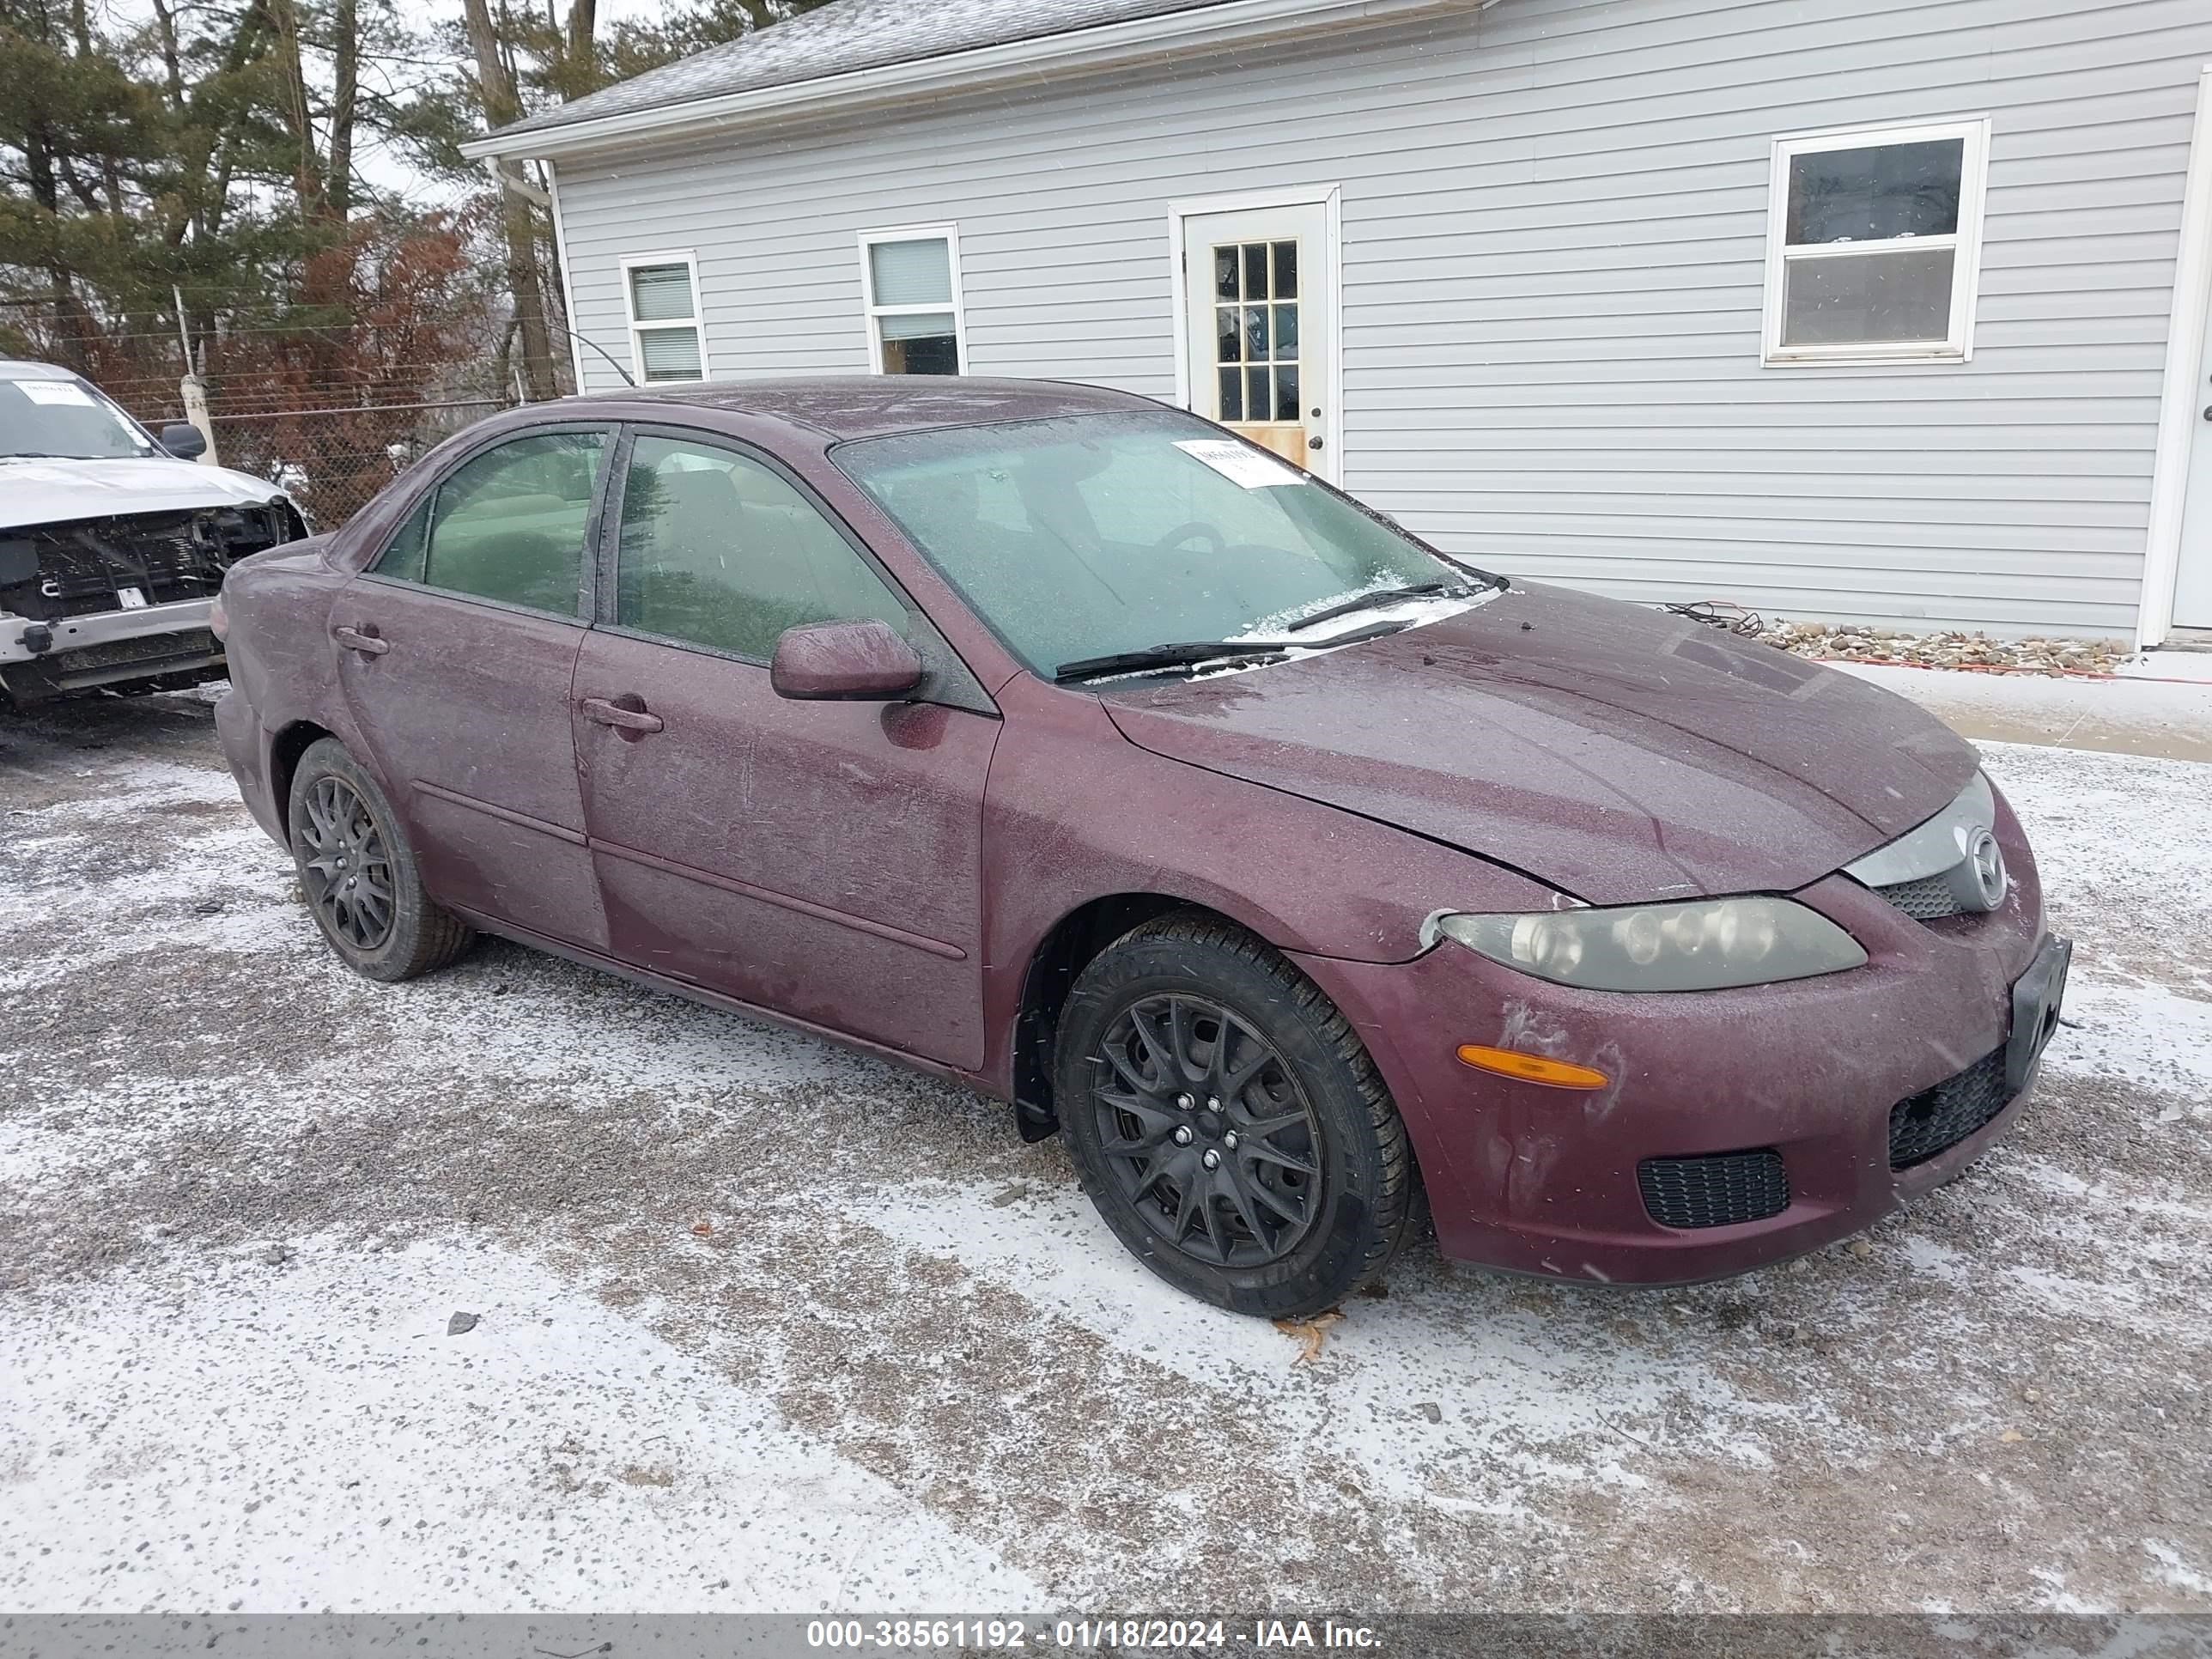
[
  {"x": 872, "y": 315},
  {"x": 696, "y": 323},
  {"x": 1958, "y": 344}
]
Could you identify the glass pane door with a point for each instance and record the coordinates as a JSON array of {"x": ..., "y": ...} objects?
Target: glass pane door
[{"x": 1256, "y": 285}]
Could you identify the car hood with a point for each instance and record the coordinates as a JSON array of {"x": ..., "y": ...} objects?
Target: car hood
[
  {"x": 1617, "y": 753},
  {"x": 50, "y": 491}
]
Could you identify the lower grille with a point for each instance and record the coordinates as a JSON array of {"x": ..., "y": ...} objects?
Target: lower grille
[
  {"x": 1722, "y": 1190},
  {"x": 1923, "y": 899},
  {"x": 1935, "y": 1120}
]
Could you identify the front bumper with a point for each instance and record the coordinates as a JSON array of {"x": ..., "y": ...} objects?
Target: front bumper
[
  {"x": 1546, "y": 1180},
  {"x": 99, "y": 627},
  {"x": 105, "y": 647}
]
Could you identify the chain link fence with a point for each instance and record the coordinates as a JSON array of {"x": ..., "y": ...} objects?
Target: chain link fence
[{"x": 332, "y": 461}]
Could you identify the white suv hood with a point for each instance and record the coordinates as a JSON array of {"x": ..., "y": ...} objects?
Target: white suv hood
[{"x": 47, "y": 491}]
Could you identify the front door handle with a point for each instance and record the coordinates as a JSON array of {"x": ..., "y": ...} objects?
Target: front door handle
[
  {"x": 637, "y": 719},
  {"x": 365, "y": 640}
]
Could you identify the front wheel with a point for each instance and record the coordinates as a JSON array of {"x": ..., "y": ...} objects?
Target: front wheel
[
  {"x": 1228, "y": 1122},
  {"x": 358, "y": 873}
]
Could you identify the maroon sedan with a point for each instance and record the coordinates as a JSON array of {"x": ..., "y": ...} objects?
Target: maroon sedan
[{"x": 1060, "y": 743}]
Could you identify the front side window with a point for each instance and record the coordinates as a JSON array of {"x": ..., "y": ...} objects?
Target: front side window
[
  {"x": 663, "y": 295},
  {"x": 913, "y": 292},
  {"x": 1873, "y": 245},
  {"x": 1087, "y": 535},
  {"x": 720, "y": 551},
  {"x": 507, "y": 525}
]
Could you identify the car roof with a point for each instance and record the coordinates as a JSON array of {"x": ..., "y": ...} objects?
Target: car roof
[
  {"x": 873, "y": 406},
  {"x": 22, "y": 369}
]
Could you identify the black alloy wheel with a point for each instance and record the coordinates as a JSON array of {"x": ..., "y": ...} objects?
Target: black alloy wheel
[
  {"x": 1227, "y": 1121},
  {"x": 1206, "y": 1131},
  {"x": 359, "y": 874},
  {"x": 344, "y": 866}
]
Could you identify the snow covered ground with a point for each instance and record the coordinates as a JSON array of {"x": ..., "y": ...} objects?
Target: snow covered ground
[{"x": 242, "y": 1195}]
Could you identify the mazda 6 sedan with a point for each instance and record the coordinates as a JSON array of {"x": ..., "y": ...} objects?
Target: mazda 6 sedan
[{"x": 1304, "y": 878}]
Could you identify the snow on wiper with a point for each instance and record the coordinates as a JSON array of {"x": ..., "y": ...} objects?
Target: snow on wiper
[
  {"x": 1376, "y": 597},
  {"x": 1189, "y": 653}
]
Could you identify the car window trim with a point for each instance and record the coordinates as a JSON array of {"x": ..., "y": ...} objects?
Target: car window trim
[
  {"x": 586, "y": 559},
  {"x": 948, "y": 679}
]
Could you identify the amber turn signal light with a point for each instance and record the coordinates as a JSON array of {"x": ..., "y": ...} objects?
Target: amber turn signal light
[{"x": 1532, "y": 1068}]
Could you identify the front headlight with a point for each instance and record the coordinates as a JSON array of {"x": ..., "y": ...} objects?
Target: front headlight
[{"x": 1707, "y": 944}]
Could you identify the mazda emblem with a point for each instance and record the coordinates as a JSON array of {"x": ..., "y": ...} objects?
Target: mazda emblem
[{"x": 1985, "y": 867}]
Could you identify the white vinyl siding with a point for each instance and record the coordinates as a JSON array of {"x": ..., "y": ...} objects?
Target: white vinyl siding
[
  {"x": 662, "y": 293},
  {"x": 1555, "y": 238}
]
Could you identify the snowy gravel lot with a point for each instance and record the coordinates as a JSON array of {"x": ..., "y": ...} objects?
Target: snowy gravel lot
[{"x": 242, "y": 1193}]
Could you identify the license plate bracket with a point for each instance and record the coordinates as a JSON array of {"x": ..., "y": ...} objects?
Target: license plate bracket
[{"x": 2038, "y": 995}]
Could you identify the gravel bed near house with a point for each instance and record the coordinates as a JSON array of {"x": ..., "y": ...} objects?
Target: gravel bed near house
[
  {"x": 1860, "y": 643},
  {"x": 522, "y": 1288}
]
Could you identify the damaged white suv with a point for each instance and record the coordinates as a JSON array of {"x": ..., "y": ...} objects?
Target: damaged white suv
[{"x": 112, "y": 544}]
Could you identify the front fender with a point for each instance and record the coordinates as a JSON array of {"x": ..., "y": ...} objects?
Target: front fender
[{"x": 1074, "y": 812}]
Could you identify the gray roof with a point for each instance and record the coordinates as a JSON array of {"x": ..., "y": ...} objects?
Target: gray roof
[
  {"x": 26, "y": 369},
  {"x": 845, "y": 36}
]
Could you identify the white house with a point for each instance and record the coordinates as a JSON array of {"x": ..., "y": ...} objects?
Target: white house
[{"x": 1891, "y": 310}]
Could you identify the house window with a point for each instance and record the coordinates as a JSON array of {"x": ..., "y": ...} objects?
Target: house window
[
  {"x": 1873, "y": 245},
  {"x": 662, "y": 291},
  {"x": 911, "y": 279}
]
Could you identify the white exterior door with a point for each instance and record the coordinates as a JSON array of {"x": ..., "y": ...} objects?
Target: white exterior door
[
  {"x": 1260, "y": 321},
  {"x": 2193, "y": 585}
]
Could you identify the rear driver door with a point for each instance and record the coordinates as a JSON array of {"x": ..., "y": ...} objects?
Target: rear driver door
[{"x": 457, "y": 649}]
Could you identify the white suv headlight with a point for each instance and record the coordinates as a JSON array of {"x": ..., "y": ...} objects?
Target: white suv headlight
[{"x": 1706, "y": 945}]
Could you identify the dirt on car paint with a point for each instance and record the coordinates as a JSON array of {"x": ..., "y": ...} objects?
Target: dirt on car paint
[{"x": 1999, "y": 1403}]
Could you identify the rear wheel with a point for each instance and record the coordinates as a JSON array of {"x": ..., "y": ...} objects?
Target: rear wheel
[
  {"x": 1227, "y": 1121},
  {"x": 359, "y": 873}
]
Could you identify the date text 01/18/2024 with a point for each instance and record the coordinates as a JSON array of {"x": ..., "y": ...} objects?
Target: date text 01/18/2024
[{"x": 1122, "y": 1634}]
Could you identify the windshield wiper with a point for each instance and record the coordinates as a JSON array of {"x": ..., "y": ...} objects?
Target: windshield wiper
[
  {"x": 1189, "y": 653},
  {"x": 1195, "y": 653},
  {"x": 1379, "y": 597}
]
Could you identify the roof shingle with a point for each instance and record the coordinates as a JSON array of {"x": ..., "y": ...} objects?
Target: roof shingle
[{"x": 846, "y": 36}]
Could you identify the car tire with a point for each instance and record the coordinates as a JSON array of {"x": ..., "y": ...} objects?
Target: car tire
[
  {"x": 1210, "y": 1195},
  {"x": 358, "y": 874}
]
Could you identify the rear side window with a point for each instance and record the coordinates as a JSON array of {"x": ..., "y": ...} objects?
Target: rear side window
[
  {"x": 720, "y": 551},
  {"x": 507, "y": 525},
  {"x": 402, "y": 558}
]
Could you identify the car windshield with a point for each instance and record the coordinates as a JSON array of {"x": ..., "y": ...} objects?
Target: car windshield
[
  {"x": 66, "y": 418},
  {"x": 1082, "y": 538}
]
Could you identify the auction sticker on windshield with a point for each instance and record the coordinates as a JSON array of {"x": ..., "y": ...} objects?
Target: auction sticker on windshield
[
  {"x": 1237, "y": 463},
  {"x": 54, "y": 392}
]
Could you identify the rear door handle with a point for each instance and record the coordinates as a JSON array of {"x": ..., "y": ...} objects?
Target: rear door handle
[
  {"x": 367, "y": 640},
  {"x": 621, "y": 719}
]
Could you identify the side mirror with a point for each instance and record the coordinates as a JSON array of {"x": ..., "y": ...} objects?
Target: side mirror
[
  {"x": 186, "y": 443},
  {"x": 843, "y": 662}
]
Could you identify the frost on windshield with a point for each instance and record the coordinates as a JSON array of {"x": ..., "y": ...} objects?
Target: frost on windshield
[
  {"x": 64, "y": 420},
  {"x": 1093, "y": 537}
]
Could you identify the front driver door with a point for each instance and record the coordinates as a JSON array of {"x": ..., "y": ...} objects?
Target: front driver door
[
  {"x": 456, "y": 651},
  {"x": 823, "y": 860}
]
